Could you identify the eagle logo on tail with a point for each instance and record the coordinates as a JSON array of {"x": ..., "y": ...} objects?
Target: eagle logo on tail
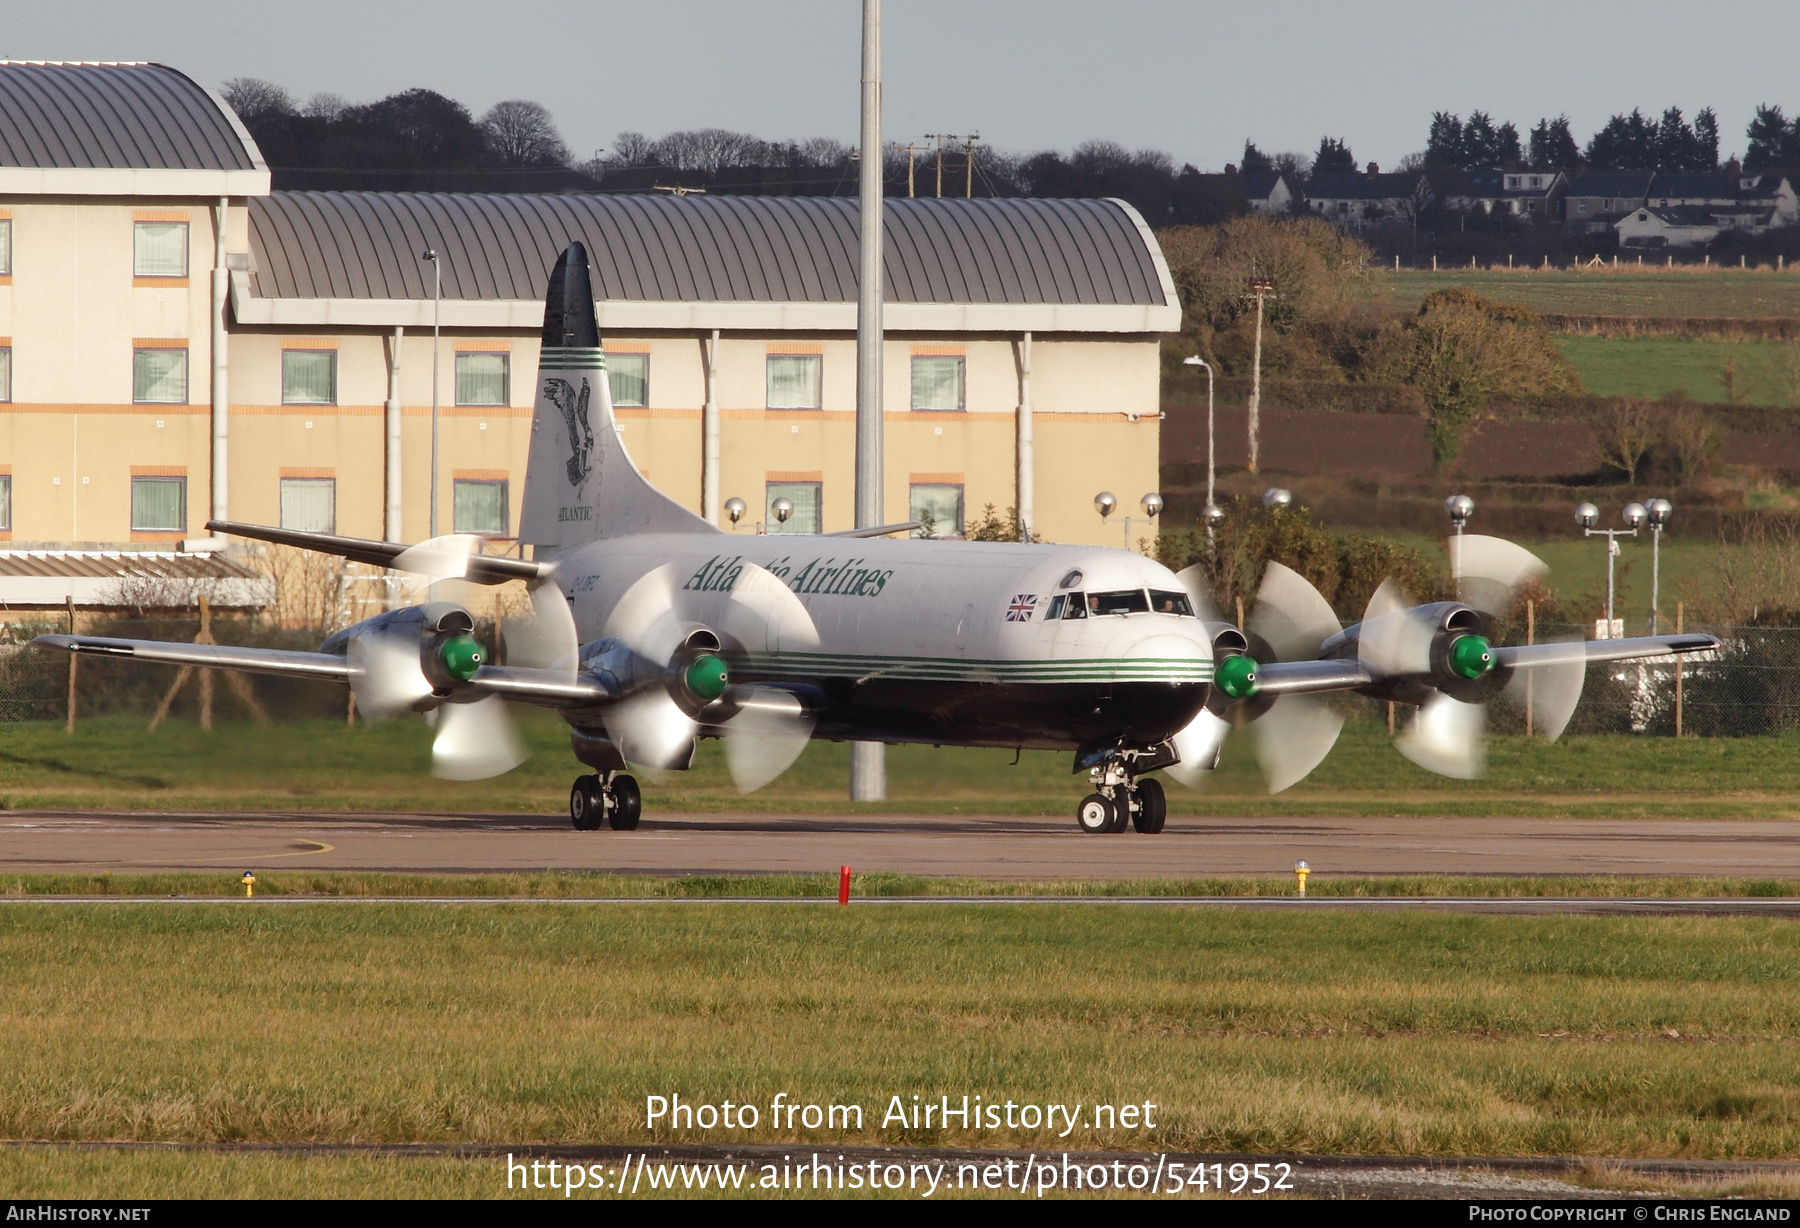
[{"x": 574, "y": 407}]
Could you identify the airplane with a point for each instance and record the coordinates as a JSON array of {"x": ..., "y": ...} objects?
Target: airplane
[{"x": 650, "y": 628}]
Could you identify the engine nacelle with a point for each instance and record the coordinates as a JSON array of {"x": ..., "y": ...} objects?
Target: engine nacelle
[
  {"x": 695, "y": 675},
  {"x": 448, "y": 651}
]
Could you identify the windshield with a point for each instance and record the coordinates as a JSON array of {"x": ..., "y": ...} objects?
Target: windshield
[
  {"x": 1127, "y": 601},
  {"x": 1077, "y": 607},
  {"x": 1163, "y": 601}
]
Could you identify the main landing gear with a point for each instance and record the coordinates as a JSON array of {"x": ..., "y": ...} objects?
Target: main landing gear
[
  {"x": 1120, "y": 798},
  {"x": 613, "y": 798}
]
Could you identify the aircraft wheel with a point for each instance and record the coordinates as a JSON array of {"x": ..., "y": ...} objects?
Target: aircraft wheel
[
  {"x": 1122, "y": 816},
  {"x": 628, "y": 804},
  {"x": 585, "y": 804},
  {"x": 1095, "y": 814},
  {"x": 1153, "y": 807}
]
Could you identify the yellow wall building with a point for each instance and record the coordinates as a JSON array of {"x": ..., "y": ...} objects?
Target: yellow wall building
[{"x": 139, "y": 242}]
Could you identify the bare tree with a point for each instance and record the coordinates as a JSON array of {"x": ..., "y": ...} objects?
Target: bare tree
[
  {"x": 253, "y": 98},
  {"x": 523, "y": 133},
  {"x": 632, "y": 149},
  {"x": 325, "y": 105}
]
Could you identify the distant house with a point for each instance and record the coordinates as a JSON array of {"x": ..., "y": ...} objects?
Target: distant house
[
  {"x": 1595, "y": 200},
  {"x": 1668, "y": 226},
  {"x": 1268, "y": 192},
  {"x": 1355, "y": 201},
  {"x": 1774, "y": 192},
  {"x": 1519, "y": 193}
]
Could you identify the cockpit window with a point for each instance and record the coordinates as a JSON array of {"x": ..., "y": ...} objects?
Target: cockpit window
[
  {"x": 1077, "y": 607},
  {"x": 1162, "y": 601},
  {"x": 1055, "y": 608},
  {"x": 1127, "y": 601}
]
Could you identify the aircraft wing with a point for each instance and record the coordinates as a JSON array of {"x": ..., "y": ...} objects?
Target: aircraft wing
[
  {"x": 289, "y": 664},
  {"x": 1529, "y": 656},
  {"x": 541, "y": 686},
  {"x": 1309, "y": 677},
  {"x": 483, "y": 568}
]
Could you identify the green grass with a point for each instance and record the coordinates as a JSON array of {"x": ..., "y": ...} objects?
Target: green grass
[
  {"x": 1679, "y": 294},
  {"x": 1654, "y": 366},
  {"x": 113, "y": 764},
  {"x": 1405, "y": 1034}
]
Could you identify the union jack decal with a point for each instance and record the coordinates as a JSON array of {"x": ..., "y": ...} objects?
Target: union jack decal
[{"x": 1020, "y": 609}]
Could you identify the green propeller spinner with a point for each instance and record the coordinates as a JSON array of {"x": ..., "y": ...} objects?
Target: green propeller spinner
[
  {"x": 462, "y": 656},
  {"x": 706, "y": 677},
  {"x": 1236, "y": 676},
  {"x": 1471, "y": 656}
]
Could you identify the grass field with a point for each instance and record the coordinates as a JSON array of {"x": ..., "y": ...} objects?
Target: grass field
[
  {"x": 1653, "y": 366},
  {"x": 1720, "y": 292},
  {"x": 1407, "y": 1033},
  {"x": 113, "y": 764}
]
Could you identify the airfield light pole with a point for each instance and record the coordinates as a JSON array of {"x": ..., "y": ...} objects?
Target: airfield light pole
[
  {"x": 1277, "y": 499},
  {"x": 1211, "y": 455},
  {"x": 735, "y": 508},
  {"x": 1460, "y": 508},
  {"x": 437, "y": 308},
  {"x": 1658, "y": 512},
  {"x": 1259, "y": 288},
  {"x": 1587, "y": 516},
  {"x": 868, "y": 760}
]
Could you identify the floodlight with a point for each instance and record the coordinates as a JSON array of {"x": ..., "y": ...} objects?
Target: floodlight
[
  {"x": 1587, "y": 515},
  {"x": 1659, "y": 511},
  {"x": 1153, "y": 504},
  {"x": 1276, "y": 497},
  {"x": 782, "y": 508},
  {"x": 735, "y": 508},
  {"x": 1105, "y": 503},
  {"x": 1460, "y": 508}
]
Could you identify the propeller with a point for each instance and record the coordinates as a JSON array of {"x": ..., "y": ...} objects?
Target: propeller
[
  {"x": 1446, "y": 737},
  {"x": 476, "y": 741},
  {"x": 1297, "y": 731},
  {"x": 669, "y": 629}
]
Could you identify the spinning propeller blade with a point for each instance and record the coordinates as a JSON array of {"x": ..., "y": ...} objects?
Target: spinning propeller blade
[
  {"x": 1391, "y": 641},
  {"x": 1492, "y": 571},
  {"x": 1446, "y": 737},
  {"x": 768, "y": 733},
  {"x": 385, "y": 675},
  {"x": 1551, "y": 692},
  {"x": 476, "y": 741},
  {"x": 1293, "y": 738},
  {"x": 1290, "y": 615}
]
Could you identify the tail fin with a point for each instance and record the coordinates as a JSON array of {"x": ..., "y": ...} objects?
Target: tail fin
[{"x": 580, "y": 484}]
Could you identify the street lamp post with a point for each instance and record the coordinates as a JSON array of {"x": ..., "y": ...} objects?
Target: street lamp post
[
  {"x": 437, "y": 307},
  {"x": 1587, "y": 516},
  {"x": 1658, "y": 512},
  {"x": 1106, "y": 503},
  {"x": 1211, "y": 456},
  {"x": 1460, "y": 508},
  {"x": 1153, "y": 506},
  {"x": 1214, "y": 516},
  {"x": 1259, "y": 287},
  {"x": 735, "y": 508}
]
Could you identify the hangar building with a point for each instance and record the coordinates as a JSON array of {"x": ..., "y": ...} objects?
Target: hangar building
[{"x": 178, "y": 342}]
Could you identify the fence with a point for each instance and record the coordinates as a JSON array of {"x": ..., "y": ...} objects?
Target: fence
[{"x": 1749, "y": 688}]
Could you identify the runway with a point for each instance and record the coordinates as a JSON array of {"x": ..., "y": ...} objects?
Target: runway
[{"x": 987, "y": 847}]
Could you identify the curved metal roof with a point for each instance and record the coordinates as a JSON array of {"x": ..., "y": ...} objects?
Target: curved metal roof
[
  {"x": 750, "y": 249},
  {"x": 126, "y": 116}
]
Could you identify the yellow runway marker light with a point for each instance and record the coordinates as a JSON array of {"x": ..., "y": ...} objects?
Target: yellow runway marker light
[
  {"x": 250, "y": 884},
  {"x": 1301, "y": 870}
]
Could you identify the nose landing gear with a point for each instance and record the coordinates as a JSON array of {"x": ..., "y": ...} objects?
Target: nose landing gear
[
  {"x": 1119, "y": 798},
  {"x": 614, "y": 799}
]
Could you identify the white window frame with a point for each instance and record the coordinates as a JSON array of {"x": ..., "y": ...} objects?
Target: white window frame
[
  {"x": 776, "y": 490},
  {"x": 138, "y": 229},
  {"x": 6, "y": 374},
  {"x": 962, "y": 384},
  {"x": 818, "y": 389},
  {"x": 6, "y": 236},
  {"x": 960, "y": 528},
  {"x": 160, "y": 349},
  {"x": 181, "y": 515},
  {"x": 505, "y": 528},
  {"x": 287, "y": 398},
  {"x": 330, "y": 525},
  {"x": 456, "y": 376},
  {"x": 5, "y": 502}
]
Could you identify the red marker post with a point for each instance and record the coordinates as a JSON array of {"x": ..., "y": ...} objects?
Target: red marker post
[{"x": 844, "y": 886}]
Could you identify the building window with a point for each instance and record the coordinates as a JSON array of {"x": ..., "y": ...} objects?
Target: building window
[
  {"x": 481, "y": 379},
  {"x": 5, "y": 247},
  {"x": 794, "y": 381},
  {"x": 628, "y": 375},
  {"x": 159, "y": 504},
  {"x": 5, "y": 373},
  {"x": 159, "y": 377},
  {"x": 937, "y": 383},
  {"x": 5, "y": 502},
  {"x": 1581, "y": 206},
  {"x": 805, "y": 498},
  {"x": 160, "y": 249},
  {"x": 309, "y": 505},
  {"x": 939, "y": 508},
  {"x": 309, "y": 377},
  {"x": 479, "y": 506}
]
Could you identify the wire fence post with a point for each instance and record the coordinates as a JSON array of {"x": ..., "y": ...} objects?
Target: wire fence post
[
  {"x": 74, "y": 659},
  {"x": 1530, "y": 638},
  {"x": 1679, "y": 611}
]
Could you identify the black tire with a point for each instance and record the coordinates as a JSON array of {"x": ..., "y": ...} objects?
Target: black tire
[
  {"x": 628, "y": 804},
  {"x": 1121, "y": 812},
  {"x": 1095, "y": 815},
  {"x": 585, "y": 806},
  {"x": 1153, "y": 807}
]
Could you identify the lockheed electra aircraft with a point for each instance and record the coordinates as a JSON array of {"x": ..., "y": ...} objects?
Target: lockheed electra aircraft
[{"x": 649, "y": 629}]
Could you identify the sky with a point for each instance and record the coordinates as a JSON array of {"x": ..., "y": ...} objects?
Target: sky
[{"x": 1193, "y": 79}]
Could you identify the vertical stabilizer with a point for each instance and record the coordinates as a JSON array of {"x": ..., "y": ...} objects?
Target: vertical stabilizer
[{"x": 580, "y": 484}]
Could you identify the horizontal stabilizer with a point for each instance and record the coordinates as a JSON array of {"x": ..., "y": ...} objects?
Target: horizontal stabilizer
[
  {"x": 880, "y": 530},
  {"x": 482, "y": 568}
]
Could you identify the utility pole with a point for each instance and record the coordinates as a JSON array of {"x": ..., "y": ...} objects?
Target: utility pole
[
  {"x": 1258, "y": 287},
  {"x": 969, "y": 164},
  {"x": 911, "y": 149},
  {"x": 940, "y": 138},
  {"x": 868, "y": 760}
]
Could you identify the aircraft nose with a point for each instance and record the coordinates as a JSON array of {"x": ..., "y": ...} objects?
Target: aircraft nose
[{"x": 1177, "y": 660}]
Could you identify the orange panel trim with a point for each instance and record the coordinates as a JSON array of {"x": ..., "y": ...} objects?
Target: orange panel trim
[
  {"x": 5, "y": 279},
  {"x": 309, "y": 343},
  {"x": 627, "y": 347},
  {"x": 482, "y": 475},
  {"x": 158, "y": 535},
  {"x": 476, "y": 345},
  {"x": 935, "y": 479},
  {"x": 5, "y": 343},
  {"x": 159, "y": 343},
  {"x": 5, "y": 215},
  {"x": 159, "y": 471},
  {"x": 162, "y": 215},
  {"x": 314, "y": 472},
  {"x": 796, "y": 347},
  {"x": 795, "y": 475},
  {"x": 160, "y": 283},
  {"x": 940, "y": 351},
  {"x": 162, "y": 409}
]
